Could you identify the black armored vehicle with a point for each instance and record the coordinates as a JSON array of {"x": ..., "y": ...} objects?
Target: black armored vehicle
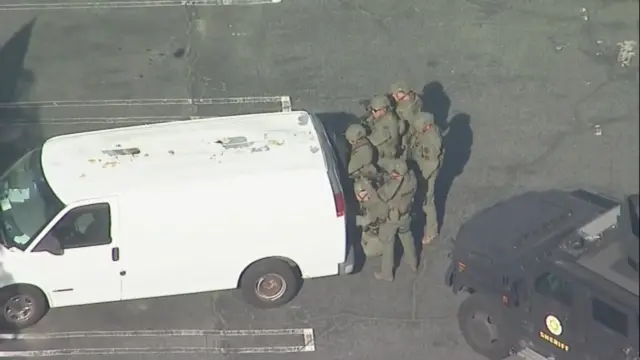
[{"x": 551, "y": 275}]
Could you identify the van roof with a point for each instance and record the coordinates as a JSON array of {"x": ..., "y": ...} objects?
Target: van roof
[{"x": 108, "y": 162}]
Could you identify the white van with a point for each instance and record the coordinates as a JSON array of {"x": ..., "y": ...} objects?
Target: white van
[{"x": 250, "y": 201}]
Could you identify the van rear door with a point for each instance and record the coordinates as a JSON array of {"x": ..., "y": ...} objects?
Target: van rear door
[
  {"x": 336, "y": 171},
  {"x": 333, "y": 167}
]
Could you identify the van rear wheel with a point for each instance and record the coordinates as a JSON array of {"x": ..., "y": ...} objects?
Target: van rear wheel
[{"x": 270, "y": 283}]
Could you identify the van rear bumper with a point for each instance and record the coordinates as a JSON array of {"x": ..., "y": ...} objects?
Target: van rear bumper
[{"x": 347, "y": 266}]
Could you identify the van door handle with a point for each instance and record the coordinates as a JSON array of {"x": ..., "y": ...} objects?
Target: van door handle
[{"x": 115, "y": 254}]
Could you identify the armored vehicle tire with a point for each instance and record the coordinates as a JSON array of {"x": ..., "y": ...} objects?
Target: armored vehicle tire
[
  {"x": 22, "y": 307},
  {"x": 484, "y": 327},
  {"x": 270, "y": 283}
]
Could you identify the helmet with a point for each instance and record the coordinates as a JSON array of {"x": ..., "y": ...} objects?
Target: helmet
[
  {"x": 355, "y": 132},
  {"x": 424, "y": 120},
  {"x": 380, "y": 102},
  {"x": 399, "y": 86}
]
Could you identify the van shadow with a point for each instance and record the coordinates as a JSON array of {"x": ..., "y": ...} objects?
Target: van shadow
[
  {"x": 457, "y": 143},
  {"x": 19, "y": 126},
  {"x": 336, "y": 124},
  {"x": 19, "y": 131},
  {"x": 9, "y": 337}
]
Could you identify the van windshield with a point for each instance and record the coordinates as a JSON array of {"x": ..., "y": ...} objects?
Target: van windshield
[{"x": 27, "y": 202}]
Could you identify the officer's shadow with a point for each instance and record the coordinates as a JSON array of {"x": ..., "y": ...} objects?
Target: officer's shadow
[{"x": 457, "y": 142}]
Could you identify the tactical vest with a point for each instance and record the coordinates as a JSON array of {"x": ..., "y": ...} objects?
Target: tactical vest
[
  {"x": 402, "y": 197},
  {"x": 406, "y": 193},
  {"x": 429, "y": 145},
  {"x": 357, "y": 151}
]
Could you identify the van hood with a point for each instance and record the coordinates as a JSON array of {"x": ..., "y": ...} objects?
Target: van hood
[{"x": 5, "y": 266}]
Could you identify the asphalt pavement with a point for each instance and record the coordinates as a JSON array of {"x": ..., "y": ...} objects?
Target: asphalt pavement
[{"x": 531, "y": 95}]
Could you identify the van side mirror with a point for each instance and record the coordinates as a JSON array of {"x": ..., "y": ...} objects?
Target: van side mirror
[{"x": 51, "y": 245}]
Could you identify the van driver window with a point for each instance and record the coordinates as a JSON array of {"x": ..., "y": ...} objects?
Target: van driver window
[
  {"x": 84, "y": 226},
  {"x": 554, "y": 287}
]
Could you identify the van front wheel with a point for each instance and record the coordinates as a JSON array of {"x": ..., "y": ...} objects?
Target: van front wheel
[
  {"x": 22, "y": 307},
  {"x": 270, "y": 283}
]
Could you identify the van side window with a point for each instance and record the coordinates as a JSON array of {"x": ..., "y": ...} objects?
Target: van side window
[
  {"x": 609, "y": 316},
  {"x": 554, "y": 287},
  {"x": 84, "y": 226}
]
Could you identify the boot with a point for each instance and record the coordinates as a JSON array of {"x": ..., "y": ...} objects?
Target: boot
[
  {"x": 380, "y": 276},
  {"x": 428, "y": 239}
]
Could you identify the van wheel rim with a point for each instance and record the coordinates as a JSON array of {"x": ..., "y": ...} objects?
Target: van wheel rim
[
  {"x": 270, "y": 287},
  {"x": 18, "y": 309}
]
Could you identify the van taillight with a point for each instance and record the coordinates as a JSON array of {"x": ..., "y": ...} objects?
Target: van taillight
[{"x": 339, "y": 201}]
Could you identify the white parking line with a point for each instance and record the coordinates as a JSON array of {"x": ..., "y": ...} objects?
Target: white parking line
[
  {"x": 128, "y": 4},
  {"x": 308, "y": 342},
  {"x": 140, "y": 351},
  {"x": 286, "y": 103},
  {"x": 155, "y": 333},
  {"x": 108, "y": 120},
  {"x": 146, "y": 102}
]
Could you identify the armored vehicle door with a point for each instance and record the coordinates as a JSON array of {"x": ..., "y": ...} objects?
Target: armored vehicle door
[
  {"x": 553, "y": 314},
  {"x": 612, "y": 329}
]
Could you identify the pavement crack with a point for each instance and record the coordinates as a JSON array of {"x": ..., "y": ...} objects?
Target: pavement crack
[
  {"x": 191, "y": 53},
  {"x": 379, "y": 20},
  {"x": 415, "y": 283},
  {"x": 580, "y": 125},
  {"x": 219, "y": 321},
  {"x": 364, "y": 318}
]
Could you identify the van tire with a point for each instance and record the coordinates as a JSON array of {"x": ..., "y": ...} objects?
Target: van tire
[
  {"x": 20, "y": 294},
  {"x": 484, "y": 326},
  {"x": 281, "y": 283}
]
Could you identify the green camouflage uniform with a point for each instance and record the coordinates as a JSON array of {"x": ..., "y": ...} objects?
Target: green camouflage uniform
[
  {"x": 428, "y": 152},
  {"x": 397, "y": 193},
  {"x": 373, "y": 213},
  {"x": 406, "y": 108},
  {"x": 385, "y": 131},
  {"x": 362, "y": 154}
]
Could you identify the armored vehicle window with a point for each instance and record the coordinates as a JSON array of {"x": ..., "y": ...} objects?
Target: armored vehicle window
[
  {"x": 609, "y": 316},
  {"x": 554, "y": 287}
]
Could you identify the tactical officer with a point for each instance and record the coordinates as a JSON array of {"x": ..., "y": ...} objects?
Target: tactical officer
[
  {"x": 385, "y": 132},
  {"x": 373, "y": 212},
  {"x": 428, "y": 154},
  {"x": 361, "y": 160},
  {"x": 398, "y": 193},
  {"x": 407, "y": 105}
]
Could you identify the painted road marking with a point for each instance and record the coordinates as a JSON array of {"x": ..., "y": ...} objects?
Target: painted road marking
[
  {"x": 154, "y": 333},
  {"x": 139, "y": 351},
  {"x": 285, "y": 106},
  {"x": 308, "y": 343},
  {"x": 146, "y": 102},
  {"x": 128, "y": 4},
  {"x": 286, "y": 103},
  {"x": 107, "y": 120}
]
